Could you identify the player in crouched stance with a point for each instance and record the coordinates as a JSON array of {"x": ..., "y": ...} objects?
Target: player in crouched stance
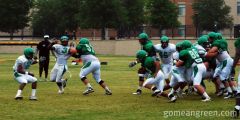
[
  {"x": 21, "y": 74},
  {"x": 155, "y": 80},
  {"x": 62, "y": 54},
  {"x": 91, "y": 64}
]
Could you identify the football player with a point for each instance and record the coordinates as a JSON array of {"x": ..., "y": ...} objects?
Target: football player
[
  {"x": 219, "y": 49},
  {"x": 22, "y": 76},
  {"x": 190, "y": 58},
  {"x": 148, "y": 46},
  {"x": 91, "y": 64},
  {"x": 166, "y": 50},
  {"x": 62, "y": 54}
]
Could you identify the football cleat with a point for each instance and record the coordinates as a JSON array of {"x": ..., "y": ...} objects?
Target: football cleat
[
  {"x": 138, "y": 92},
  {"x": 33, "y": 98},
  {"x": 172, "y": 98},
  {"x": 108, "y": 92},
  {"x": 89, "y": 90},
  {"x": 229, "y": 95},
  {"x": 156, "y": 92},
  {"x": 19, "y": 97},
  {"x": 61, "y": 91},
  {"x": 235, "y": 113},
  {"x": 206, "y": 100}
]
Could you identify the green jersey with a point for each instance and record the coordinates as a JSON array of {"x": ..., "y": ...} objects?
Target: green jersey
[
  {"x": 221, "y": 44},
  {"x": 149, "y": 64},
  {"x": 190, "y": 56},
  {"x": 149, "y": 48},
  {"x": 85, "y": 49}
]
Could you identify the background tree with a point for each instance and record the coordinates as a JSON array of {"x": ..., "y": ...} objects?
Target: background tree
[
  {"x": 162, "y": 14},
  {"x": 101, "y": 14},
  {"x": 14, "y": 15},
  {"x": 212, "y": 15},
  {"x": 134, "y": 11},
  {"x": 55, "y": 17}
]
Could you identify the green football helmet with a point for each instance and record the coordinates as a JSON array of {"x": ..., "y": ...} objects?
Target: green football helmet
[
  {"x": 164, "y": 39},
  {"x": 141, "y": 54},
  {"x": 179, "y": 46},
  {"x": 83, "y": 41},
  {"x": 219, "y": 36},
  {"x": 28, "y": 52},
  {"x": 186, "y": 44},
  {"x": 202, "y": 40},
  {"x": 212, "y": 36},
  {"x": 143, "y": 36}
]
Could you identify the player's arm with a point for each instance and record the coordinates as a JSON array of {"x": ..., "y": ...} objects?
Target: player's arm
[
  {"x": 212, "y": 52},
  {"x": 179, "y": 63},
  {"x": 21, "y": 70},
  {"x": 157, "y": 68}
]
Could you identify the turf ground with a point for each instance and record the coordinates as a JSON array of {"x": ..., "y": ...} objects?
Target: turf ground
[{"x": 122, "y": 105}]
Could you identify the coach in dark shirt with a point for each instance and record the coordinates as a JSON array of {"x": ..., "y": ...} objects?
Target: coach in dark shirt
[{"x": 43, "y": 51}]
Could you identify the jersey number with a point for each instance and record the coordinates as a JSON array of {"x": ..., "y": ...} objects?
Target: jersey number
[
  {"x": 195, "y": 56},
  {"x": 163, "y": 54},
  {"x": 89, "y": 48}
]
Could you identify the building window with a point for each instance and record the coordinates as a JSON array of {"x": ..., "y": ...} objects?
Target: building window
[
  {"x": 181, "y": 30},
  {"x": 238, "y": 7},
  {"x": 181, "y": 9}
]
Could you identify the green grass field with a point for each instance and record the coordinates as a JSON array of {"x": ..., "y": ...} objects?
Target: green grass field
[{"x": 122, "y": 105}]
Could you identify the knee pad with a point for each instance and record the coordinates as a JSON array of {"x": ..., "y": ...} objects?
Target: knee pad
[
  {"x": 101, "y": 82},
  {"x": 83, "y": 78}
]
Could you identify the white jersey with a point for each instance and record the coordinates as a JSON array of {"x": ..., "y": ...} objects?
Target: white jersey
[
  {"x": 223, "y": 56},
  {"x": 62, "y": 54},
  {"x": 201, "y": 51},
  {"x": 88, "y": 58},
  {"x": 22, "y": 60},
  {"x": 166, "y": 53}
]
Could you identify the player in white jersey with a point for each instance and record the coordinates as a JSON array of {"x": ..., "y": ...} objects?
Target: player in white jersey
[
  {"x": 165, "y": 50},
  {"x": 91, "y": 64},
  {"x": 21, "y": 74},
  {"x": 220, "y": 51},
  {"x": 62, "y": 54}
]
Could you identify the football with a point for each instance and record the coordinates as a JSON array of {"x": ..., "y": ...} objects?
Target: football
[{"x": 72, "y": 50}]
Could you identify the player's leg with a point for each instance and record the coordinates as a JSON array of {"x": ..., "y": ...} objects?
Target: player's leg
[
  {"x": 61, "y": 70},
  {"x": 53, "y": 74},
  {"x": 85, "y": 70},
  {"x": 166, "y": 68},
  {"x": 198, "y": 72},
  {"x": 97, "y": 76},
  {"x": 32, "y": 80},
  {"x": 225, "y": 73},
  {"x": 141, "y": 74},
  {"x": 237, "y": 104},
  {"x": 22, "y": 83}
]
